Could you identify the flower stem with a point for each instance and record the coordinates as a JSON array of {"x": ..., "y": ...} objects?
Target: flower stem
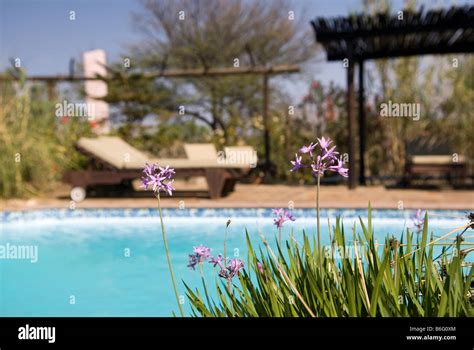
[
  {"x": 204, "y": 285},
  {"x": 168, "y": 256},
  {"x": 279, "y": 236},
  {"x": 225, "y": 257},
  {"x": 317, "y": 213},
  {"x": 225, "y": 248}
]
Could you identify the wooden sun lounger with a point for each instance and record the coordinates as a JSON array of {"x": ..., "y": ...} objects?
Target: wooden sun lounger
[
  {"x": 112, "y": 161},
  {"x": 435, "y": 166}
]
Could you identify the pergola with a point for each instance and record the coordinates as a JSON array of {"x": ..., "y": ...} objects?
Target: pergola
[{"x": 361, "y": 37}]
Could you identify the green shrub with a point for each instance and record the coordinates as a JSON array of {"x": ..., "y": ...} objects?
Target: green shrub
[
  {"x": 35, "y": 147},
  {"x": 401, "y": 279}
]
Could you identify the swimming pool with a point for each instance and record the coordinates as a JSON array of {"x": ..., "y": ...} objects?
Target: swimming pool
[{"x": 111, "y": 262}]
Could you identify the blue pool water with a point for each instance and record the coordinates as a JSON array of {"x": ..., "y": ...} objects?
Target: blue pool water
[{"x": 83, "y": 267}]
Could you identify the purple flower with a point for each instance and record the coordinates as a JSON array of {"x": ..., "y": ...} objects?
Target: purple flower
[
  {"x": 150, "y": 169},
  {"x": 158, "y": 178},
  {"x": 325, "y": 160},
  {"x": 329, "y": 154},
  {"x": 231, "y": 270},
  {"x": 145, "y": 182},
  {"x": 167, "y": 172},
  {"x": 308, "y": 149},
  {"x": 281, "y": 217},
  {"x": 318, "y": 167},
  {"x": 344, "y": 172},
  {"x": 324, "y": 143},
  {"x": 296, "y": 163},
  {"x": 168, "y": 187},
  {"x": 260, "y": 267},
  {"x": 217, "y": 261},
  {"x": 193, "y": 261},
  {"x": 235, "y": 266},
  {"x": 202, "y": 253},
  {"x": 278, "y": 212},
  {"x": 224, "y": 273},
  {"x": 339, "y": 167},
  {"x": 156, "y": 182}
]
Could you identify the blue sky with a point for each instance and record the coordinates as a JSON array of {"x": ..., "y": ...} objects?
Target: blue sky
[{"x": 41, "y": 34}]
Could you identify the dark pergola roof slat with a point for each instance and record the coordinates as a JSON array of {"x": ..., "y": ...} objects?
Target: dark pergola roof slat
[{"x": 383, "y": 35}]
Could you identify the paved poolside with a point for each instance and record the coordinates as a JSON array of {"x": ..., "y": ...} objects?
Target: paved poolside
[{"x": 276, "y": 196}]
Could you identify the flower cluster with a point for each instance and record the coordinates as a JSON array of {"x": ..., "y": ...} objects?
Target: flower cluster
[
  {"x": 229, "y": 271},
  {"x": 281, "y": 217},
  {"x": 158, "y": 178},
  {"x": 201, "y": 254},
  {"x": 226, "y": 270},
  {"x": 325, "y": 160}
]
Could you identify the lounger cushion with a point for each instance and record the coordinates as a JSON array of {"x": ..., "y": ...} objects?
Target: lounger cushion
[
  {"x": 201, "y": 151},
  {"x": 119, "y": 154},
  {"x": 114, "y": 151},
  {"x": 436, "y": 160}
]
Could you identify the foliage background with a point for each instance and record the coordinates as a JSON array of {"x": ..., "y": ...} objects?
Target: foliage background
[{"x": 35, "y": 146}]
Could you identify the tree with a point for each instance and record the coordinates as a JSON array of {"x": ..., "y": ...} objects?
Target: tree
[{"x": 204, "y": 34}]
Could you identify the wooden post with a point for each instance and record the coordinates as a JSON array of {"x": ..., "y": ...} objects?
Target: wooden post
[
  {"x": 362, "y": 124},
  {"x": 51, "y": 90},
  {"x": 216, "y": 181},
  {"x": 352, "y": 125},
  {"x": 266, "y": 134}
]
